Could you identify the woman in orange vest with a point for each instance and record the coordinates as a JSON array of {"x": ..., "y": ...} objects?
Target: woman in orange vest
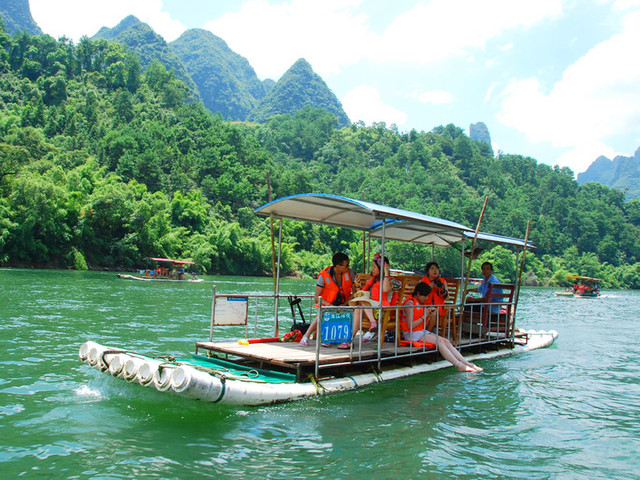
[
  {"x": 373, "y": 300},
  {"x": 334, "y": 287},
  {"x": 438, "y": 285},
  {"x": 416, "y": 322}
]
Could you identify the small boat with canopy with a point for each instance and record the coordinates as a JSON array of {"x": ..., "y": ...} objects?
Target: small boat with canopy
[
  {"x": 583, "y": 287},
  {"x": 164, "y": 270},
  {"x": 258, "y": 371}
]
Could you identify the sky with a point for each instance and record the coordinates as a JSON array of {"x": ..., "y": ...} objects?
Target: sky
[{"x": 556, "y": 80}]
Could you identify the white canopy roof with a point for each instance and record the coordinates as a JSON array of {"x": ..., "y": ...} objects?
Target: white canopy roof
[
  {"x": 409, "y": 231},
  {"x": 360, "y": 215},
  {"x": 491, "y": 237},
  {"x": 415, "y": 232},
  {"x": 401, "y": 225}
]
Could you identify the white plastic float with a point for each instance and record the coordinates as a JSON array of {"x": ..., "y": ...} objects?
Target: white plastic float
[{"x": 187, "y": 381}]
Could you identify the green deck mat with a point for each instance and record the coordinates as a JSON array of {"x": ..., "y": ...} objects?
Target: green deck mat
[{"x": 268, "y": 376}]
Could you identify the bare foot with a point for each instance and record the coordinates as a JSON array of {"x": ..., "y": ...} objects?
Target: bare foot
[{"x": 465, "y": 368}]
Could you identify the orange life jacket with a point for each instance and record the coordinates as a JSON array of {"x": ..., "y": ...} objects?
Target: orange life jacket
[
  {"x": 418, "y": 312},
  {"x": 331, "y": 289},
  {"x": 436, "y": 297},
  {"x": 373, "y": 285}
]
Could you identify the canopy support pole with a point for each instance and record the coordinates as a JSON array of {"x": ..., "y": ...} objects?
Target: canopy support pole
[
  {"x": 473, "y": 248},
  {"x": 524, "y": 254},
  {"x": 277, "y": 289}
]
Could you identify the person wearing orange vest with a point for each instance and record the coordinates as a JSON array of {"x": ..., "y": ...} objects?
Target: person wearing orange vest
[
  {"x": 438, "y": 285},
  {"x": 334, "y": 287},
  {"x": 416, "y": 321},
  {"x": 373, "y": 300}
]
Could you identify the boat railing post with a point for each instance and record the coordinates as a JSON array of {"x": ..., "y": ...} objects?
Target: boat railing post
[
  {"x": 381, "y": 312},
  {"x": 213, "y": 312},
  {"x": 277, "y": 294},
  {"x": 318, "y": 340},
  {"x": 256, "y": 301}
]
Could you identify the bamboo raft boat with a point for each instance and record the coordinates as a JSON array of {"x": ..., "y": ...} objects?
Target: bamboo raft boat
[{"x": 268, "y": 370}]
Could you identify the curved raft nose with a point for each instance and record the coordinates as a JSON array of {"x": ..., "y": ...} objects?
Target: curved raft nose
[
  {"x": 146, "y": 372},
  {"x": 131, "y": 367},
  {"x": 162, "y": 377},
  {"x": 116, "y": 366},
  {"x": 85, "y": 348},
  {"x": 97, "y": 356}
]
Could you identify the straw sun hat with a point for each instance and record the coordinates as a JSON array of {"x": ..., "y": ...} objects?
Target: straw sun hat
[{"x": 363, "y": 296}]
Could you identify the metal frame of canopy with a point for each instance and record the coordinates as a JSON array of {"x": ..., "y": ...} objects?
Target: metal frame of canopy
[
  {"x": 345, "y": 212},
  {"x": 410, "y": 231},
  {"x": 170, "y": 260}
]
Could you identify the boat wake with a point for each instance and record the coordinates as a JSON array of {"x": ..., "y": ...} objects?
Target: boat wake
[{"x": 86, "y": 392}]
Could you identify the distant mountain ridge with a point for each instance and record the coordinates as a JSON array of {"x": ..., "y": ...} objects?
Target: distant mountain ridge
[
  {"x": 622, "y": 173},
  {"x": 226, "y": 81},
  {"x": 300, "y": 86},
  {"x": 17, "y": 18}
]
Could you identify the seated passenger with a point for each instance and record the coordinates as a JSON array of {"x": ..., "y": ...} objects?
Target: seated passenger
[
  {"x": 372, "y": 299},
  {"x": 438, "y": 287},
  {"x": 334, "y": 287},
  {"x": 416, "y": 321},
  {"x": 483, "y": 289}
]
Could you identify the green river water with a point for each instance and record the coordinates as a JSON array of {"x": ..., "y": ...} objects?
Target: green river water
[{"x": 569, "y": 411}]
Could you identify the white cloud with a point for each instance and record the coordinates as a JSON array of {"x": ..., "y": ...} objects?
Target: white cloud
[
  {"x": 626, "y": 4},
  {"x": 328, "y": 34},
  {"x": 364, "y": 103},
  {"x": 75, "y": 18},
  {"x": 441, "y": 29},
  {"x": 435, "y": 97},
  {"x": 597, "y": 97},
  {"x": 331, "y": 35}
]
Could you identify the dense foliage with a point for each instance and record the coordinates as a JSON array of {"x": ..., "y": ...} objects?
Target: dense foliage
[
  {"x": 102, "y": 165},
  {"x": 148, "y": 45}
]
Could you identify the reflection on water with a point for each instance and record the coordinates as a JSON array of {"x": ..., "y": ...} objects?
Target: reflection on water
[{"x": 569, "y": 411}]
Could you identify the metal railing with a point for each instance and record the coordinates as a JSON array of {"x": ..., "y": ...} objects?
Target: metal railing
[{"x": 466, "y": 326}]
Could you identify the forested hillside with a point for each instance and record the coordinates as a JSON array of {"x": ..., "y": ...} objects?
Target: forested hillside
[
  {"x": 17, "y": 17},
  {"x": 227, "y": 83},
  {"x": 102, "y": 165},
  {"x": 299, "y": 86},
  {"x": 148, "y": 45}
]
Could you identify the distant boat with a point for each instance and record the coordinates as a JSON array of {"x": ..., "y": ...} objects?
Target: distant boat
[
  {"x": 585, "y": 287},
  {"x": 168, "y": 270}
]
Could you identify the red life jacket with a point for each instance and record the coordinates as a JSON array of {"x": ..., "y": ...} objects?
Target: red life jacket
[
  {"x": 436, "y": 297},
  {"x": 373, "y": 285},
  {"x": 418, "y": 312},
  {"x": 331, "y": 289}
]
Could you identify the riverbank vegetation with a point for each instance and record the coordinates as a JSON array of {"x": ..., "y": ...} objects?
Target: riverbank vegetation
[{"x": 102, "y": 165}]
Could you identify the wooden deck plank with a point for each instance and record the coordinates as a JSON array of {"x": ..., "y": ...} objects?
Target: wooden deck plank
[{"x": 293, "y": 354}]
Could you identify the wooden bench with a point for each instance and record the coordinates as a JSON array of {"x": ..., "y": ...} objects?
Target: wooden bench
[
  {"x": 403, "y": 286},
  {"x": 481, "y": 322}
]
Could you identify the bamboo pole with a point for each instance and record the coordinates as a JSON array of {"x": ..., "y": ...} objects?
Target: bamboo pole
[
  {"x": 473, "y": 247},
  {"x": 273, "y": 255},
  {"x": 524, "y": 254}
]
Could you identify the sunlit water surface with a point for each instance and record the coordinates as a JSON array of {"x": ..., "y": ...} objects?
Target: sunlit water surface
[{"x": 569, "y": 411}]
